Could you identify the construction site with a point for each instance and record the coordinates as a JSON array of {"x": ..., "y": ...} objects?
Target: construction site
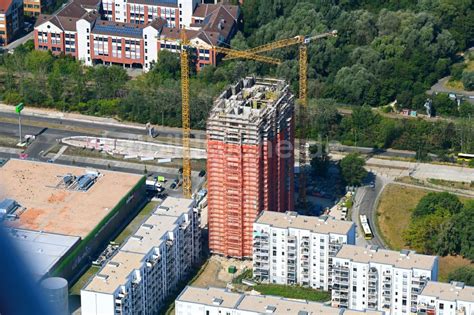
[
  {"x": 250, "y": 144},
  {"x": 63, "y": 216}
]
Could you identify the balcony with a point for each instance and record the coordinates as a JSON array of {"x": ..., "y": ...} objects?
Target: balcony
[
  {"x": 415, "y": 290},
  {"x": 342, "y": 288}
]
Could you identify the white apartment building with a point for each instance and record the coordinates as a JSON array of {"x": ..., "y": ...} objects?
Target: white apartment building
[
  {"x": 149, "y": 265},
  {"x": 214, "y": 301},
  {"x": 439, "y": 298},
  {"x": 295, "y": 249},
  {"x": 378, "y": 279}
]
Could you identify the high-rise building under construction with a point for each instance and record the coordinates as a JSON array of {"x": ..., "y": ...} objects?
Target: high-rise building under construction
[{"x": 250, "y": 149}]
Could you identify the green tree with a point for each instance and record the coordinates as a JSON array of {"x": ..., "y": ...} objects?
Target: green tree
[
  {"x": 168, "y": 65},
  {"x": 435, "y": 202},
  {"x": 352, "y": 169},
  {"x": 464, "y": 274},
  {"x": 468, "y": 80},
  {"x": 323, "y": 117},
  {"x": 423, "y": 233},
  {"x": 464, "y": 229}
]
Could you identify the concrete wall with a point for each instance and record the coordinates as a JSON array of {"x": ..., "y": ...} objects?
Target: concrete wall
[{"x": 93, "y": 303}]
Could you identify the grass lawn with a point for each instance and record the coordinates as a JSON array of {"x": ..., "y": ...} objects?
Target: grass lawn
[
  {"x": 135, "y": 223},
  {"x": 393, "y": 217},
  {"x": 10, "y": 142},
  {"x": 76, "y": 288},
  {"x": 293, "y": 292}
]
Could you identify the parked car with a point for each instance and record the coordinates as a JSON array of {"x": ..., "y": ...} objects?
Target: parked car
[
  {"x": 202, "y": 173},
  {"x": 160, "y": 189},
  {"x": 173, "y": 186}
]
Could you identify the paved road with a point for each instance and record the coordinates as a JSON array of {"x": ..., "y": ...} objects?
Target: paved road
[
  {"x": 45, "y": 137},
  {"x": 20, "y": 41},
  {"x": 440, "y": 87},
  {"x": 365, "y": 202}
]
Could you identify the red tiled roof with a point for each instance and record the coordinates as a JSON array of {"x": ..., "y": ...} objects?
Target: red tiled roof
[{"x": 4, "y": 5}]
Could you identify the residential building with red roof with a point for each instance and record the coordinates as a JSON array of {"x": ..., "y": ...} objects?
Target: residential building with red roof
[{"x": 95, "y": 34}]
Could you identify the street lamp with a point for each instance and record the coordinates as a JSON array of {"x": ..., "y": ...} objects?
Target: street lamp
[{"x": 18, "y": 109}]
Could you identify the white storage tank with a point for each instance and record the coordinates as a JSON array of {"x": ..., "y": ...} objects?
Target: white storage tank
[{"x": 55, "y": 290}]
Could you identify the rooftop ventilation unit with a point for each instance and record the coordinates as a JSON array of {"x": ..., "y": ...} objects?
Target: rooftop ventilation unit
[
  {"x": 68, "y": 179},
  {"x": 270, "y": 309},
  {"x": 7, "y": 207},
  {"x": 84, "y": 182},
  {"x": 217, "y": 301}
]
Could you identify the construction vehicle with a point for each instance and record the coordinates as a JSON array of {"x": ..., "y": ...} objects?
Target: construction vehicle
[{"x": 303, "y": 42}]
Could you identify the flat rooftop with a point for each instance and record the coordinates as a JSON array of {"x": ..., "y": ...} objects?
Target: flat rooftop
[
  {"x": 282, "y": 306},
  {"x": 40, "y": 249},
  {"x": 51, "y": 207},
  {"x": 150, "y": 234},
  {"x": 402, "y": 259},
  {"x": 115, "y": 272},
  {"x": 287, "y": 220},
  {"x": 173, "y": 206},
  {"x": 259, "y": 304},
  {"x": 210, "y": 296},
  {"x": 454, "y": 291}
]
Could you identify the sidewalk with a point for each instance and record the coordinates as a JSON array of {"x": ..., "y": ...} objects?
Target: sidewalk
[{"x": 50, "y": 113}]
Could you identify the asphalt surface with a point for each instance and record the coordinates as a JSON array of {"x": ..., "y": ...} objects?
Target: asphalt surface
[
  {"x": 440, "y": 87},
  {"x": 365, "y": 203},
  {"x": 45, "y": 137},
  {"x": 20, "y": 41},
  {"x": 103, "y": 127}
]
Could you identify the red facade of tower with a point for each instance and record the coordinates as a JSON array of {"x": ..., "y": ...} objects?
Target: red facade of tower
[{"x": 250, "y": 161}]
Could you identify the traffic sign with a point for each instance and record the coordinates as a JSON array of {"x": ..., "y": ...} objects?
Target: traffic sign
[{"x": 19, "y": 108}]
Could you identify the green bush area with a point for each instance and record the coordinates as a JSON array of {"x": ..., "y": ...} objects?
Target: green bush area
[{"x": 293, "y": 292}]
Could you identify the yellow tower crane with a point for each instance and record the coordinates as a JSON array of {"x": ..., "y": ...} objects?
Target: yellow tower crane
[
  {"x": 303, "y": 41},
  {"x": 186, "y": 121}
]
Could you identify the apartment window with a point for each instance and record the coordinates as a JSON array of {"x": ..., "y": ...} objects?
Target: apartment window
[{"x": 441, "y": 306}]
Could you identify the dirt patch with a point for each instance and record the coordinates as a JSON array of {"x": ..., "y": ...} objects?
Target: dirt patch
[
  {"x": 216, "y": 272},
  {"x": 450, "y": 263},
  {"x": 57, "y": 197}
]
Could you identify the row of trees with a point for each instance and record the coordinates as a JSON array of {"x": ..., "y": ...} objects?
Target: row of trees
[
  {"x": 441, "y": 224},
  {"x": 365, "y": 127},
  {"x": 37, "y": 78}
]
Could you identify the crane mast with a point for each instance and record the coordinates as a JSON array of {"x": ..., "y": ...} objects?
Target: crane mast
[
  {"x": 303, "y": 101},
  {"x": 186, "y": 121}
]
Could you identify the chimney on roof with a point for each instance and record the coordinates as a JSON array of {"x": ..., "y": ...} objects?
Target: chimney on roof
[{"x": 220, "y": 25}]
